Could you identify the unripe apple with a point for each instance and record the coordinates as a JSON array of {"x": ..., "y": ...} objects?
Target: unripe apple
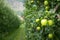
[
  {"x": 50, "y": 22},
  {"x": 45, "y": 2},
  {"x": 50, "y": 35},
  {"x": 46, "y": 7},
  {"x": 37, "y": 20},
  {"x": 32, "y": 1},
  {"x": 44, "y": 22},
  {"x": 38, "y": 28}
]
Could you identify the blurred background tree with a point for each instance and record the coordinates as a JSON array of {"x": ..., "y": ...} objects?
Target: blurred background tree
[
  {"x": 9, "y": 21},
  {"x": 42, "y": 18}
]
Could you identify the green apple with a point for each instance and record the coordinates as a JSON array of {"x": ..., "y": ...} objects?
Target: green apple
[
  {"x": 46, "y": 7},
  {"x": 45, "y": 2},
  {"x": 50, "y": 35},
  {"x": 32, "y": 1},
  {"x": 50, "y": 22},
  {"x": 44, "y": 22},
  {"x": 37, "y": 20},
  {"x": 38, "y": 28},
  {"x": 47, "y": 11}
]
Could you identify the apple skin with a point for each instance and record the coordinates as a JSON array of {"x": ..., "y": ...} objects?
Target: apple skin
[
  {"x": 50, "y": 22},
  {"x": 50, "y": 35},
  {"x": 37, "y": 20},
  {"x": 44, "y": 22},
  {"x": 46, "y": 7},
  {"x": 45, "y": 2},
  {"x": 38, "y": 28},
  {"x": 32, "y": 1}
]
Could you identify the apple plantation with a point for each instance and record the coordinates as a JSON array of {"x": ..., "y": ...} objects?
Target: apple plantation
[
  {"x": 29, "y": 19},
  {"x": 42, "y": 19}
]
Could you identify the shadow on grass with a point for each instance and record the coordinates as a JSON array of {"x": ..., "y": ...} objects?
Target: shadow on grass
[{"x": 18, "y": 34}]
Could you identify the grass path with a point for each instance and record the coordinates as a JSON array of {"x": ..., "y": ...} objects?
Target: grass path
[{"x": 19, "y": 34}]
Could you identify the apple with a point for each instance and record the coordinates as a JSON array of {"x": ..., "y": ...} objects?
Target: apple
[
  {"x": 45, "y": 2},
  {"x": 47, "y": 11},
  {"x": 44, "y": 22},
  {"x": 37, "y": 20},
  {"x": 32, "y": 1},
  {"x": 50, "y": 35},
  {"x": 38, "y": 28},
  {"x": 50, "y": 22},
  {"x": 46, "y": 7}
]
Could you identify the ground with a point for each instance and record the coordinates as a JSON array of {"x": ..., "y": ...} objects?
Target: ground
[{"x": 19, "y": 34}]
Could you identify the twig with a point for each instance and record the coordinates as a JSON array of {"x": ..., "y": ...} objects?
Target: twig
[{"x": 56, "y": 7}]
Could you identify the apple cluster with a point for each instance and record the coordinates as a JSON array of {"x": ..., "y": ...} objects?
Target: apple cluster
[{"x": 44, "y": 21}]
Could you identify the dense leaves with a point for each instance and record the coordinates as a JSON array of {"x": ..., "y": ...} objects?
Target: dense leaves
[
  {"x": 8, "y": 20},
  {"x": 42, "y": 19}
]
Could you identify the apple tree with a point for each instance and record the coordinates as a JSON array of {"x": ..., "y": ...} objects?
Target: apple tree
[
  {"x": 42, "y": 18},
  {"x": 9, "y": 21}
]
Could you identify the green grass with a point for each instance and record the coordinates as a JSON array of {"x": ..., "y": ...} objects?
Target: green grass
[{"x": 19, "y": 34}]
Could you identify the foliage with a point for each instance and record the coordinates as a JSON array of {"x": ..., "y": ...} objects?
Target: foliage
[
  {"x": 48, "y": 23},
  {"x": 8, "y": 20}
]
